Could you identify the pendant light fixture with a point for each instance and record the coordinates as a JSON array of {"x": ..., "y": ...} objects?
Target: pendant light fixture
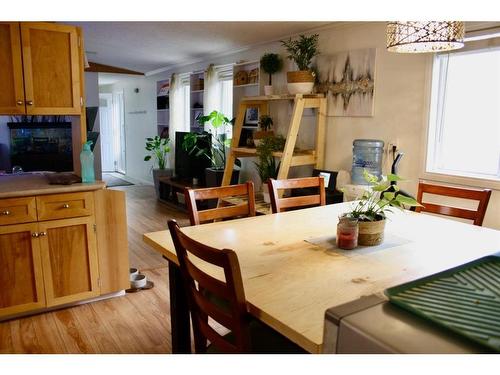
[{"x": 421, "y": 37}]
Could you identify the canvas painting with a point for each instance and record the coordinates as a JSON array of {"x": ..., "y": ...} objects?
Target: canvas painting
[{"x": 348, "y": 80}]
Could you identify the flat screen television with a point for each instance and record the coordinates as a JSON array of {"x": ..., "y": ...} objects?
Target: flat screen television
[
  {"x": 41, "y": 146},
  {"x": 189, "y": 166}
]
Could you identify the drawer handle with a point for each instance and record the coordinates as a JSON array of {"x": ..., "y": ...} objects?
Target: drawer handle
[
  {"x": 65, "y": 205},
  {"x": 6, "y": 212},
  {"x": 34, "y": 234},
  {"x": 19, "y": 102},
  {"x": 42, "y": 234},
  {"x": 29, "y": 102}
]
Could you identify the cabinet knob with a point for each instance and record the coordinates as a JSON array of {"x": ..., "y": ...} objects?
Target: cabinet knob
[
  {"x": 6, "y": 212},
  {"x": 20, "y": 102},
  {"x": 29, "y": 102},
  {"x": 65, "y": 205},
  {"x": 34, "y": 234},
  {"x": 43, "y": 234}
]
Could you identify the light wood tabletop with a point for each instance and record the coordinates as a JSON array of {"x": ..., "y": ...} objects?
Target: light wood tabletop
[{"x": 290, "y": 282}]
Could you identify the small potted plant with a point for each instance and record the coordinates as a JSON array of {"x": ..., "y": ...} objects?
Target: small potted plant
[
  {"x": 271, "y": 63},
  {"x": 373, "y": 206},
  {"x": 216, "y": 153},
  {"x": 266, "y": 163},
  {"x": 159, "y": 149},
  {"x": 301, "y": 51},
  {"x": 265, "y": 124}
]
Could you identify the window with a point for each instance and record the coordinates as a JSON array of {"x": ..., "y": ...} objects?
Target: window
[
  {"x": 225, "y": 92},
  {"x": 464, "y": 128}
]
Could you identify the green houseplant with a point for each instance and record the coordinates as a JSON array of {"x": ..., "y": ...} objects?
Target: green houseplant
[
  {"x": 265, "y": 124},
  {"x": 373, "y": 206},
  {"x": 301, "y": 51},
  {"x": 218, "y": 142},
  {"x": 266, "y": 163},
  {"x": 158, "y": 149},
  {"x": 271, "y": 63}
]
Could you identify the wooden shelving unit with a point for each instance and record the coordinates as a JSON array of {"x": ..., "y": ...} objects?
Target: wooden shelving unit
[
  {"x": 289, "y": 156},
  {"x": 162, "y": 100},
  {"x": 197, "y": 89}
]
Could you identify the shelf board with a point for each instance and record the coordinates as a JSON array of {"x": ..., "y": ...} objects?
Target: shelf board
[
  {"x": 162, "y": 124},
  {"x": 283, "y": 97},
  {"x": 248, "y": 85},
  {"x": 194, "y": 109},
  {"x": 300, "y": 157},
  {"x": 247, "y": 63},
  {"x": 162, "y": 110},
  {"x": 196, "y": 91}
]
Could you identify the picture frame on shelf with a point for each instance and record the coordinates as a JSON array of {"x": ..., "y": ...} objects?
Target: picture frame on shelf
[{"x": 252, "y": 117}]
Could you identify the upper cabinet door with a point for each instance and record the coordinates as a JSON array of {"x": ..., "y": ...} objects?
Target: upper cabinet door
[
  {"x": 11, "y": 70},
  {"x": 51, "y": 61}
]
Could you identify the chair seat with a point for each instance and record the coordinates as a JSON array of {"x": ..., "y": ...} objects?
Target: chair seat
[{"x": 265, "y": 340}]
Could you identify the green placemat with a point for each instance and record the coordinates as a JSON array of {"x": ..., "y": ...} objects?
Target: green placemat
[{"x": 465, "y": 299}]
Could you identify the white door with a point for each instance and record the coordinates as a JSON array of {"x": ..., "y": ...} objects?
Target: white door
[{"x": 107, "y": 139}]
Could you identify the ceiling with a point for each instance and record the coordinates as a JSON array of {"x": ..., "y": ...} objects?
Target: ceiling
[{"x": 148, "y": 46}]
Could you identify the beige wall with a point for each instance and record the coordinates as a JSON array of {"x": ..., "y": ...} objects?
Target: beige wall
[{"x": 401, "y": 100}]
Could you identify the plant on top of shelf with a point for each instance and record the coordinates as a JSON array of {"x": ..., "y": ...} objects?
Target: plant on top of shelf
[
  {"x": 301, "y": 51},
  {"x": 265, "y": 122},
  {"x": 271, "y": 63},
  {"x": 217, "y": 135},
  {"x": 372, "y": 208}
]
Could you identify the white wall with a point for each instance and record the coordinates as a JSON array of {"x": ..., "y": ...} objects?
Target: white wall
[
  {"x": 138, "y": 126},
  {"x": 401, "y": 85}
]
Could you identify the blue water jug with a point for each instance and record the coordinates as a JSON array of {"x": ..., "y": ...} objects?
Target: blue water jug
[
  {"x": 87, "y": 161},
  {"x": 366, "y": 154}
]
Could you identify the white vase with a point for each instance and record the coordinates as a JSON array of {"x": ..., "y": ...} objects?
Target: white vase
[
  {"x": 268, "y": 90},
  {"x": 265, "y": 193}
]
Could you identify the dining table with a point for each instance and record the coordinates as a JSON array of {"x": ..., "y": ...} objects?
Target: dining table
[{"x": 293, "y": 272}]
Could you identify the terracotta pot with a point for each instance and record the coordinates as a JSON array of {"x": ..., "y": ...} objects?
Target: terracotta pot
[{"x": 371, "y": 233}]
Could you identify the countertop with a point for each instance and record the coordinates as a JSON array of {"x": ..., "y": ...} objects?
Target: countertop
[{"x": 37, "y": 184}]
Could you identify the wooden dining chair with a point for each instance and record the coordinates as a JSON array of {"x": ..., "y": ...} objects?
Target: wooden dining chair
[
  {"x": 222, "y": 301},
  {"x": 482, "y": 196},
  {"x": 197, "y": 216},
  {"x": 280, "y": 204}
]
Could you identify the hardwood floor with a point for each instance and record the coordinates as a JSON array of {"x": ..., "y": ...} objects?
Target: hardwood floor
[{"x": 135, "y": 323}]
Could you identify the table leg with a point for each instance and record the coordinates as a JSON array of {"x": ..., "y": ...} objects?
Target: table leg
[{"x": 179, "y": 312}]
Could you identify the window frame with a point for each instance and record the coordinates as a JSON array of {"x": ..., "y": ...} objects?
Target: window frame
[{"x": 431, "y": 122}]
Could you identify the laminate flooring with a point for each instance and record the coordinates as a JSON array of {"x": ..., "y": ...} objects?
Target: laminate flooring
[{"x": 134, "y": 323}]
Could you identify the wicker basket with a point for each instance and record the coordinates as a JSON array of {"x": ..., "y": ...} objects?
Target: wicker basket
[
  {"x": 371, "y": 233},
  {"x": 299, "y": 76}
]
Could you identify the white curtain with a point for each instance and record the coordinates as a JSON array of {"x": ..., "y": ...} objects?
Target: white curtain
[
  {"x": 177, "y": 120},
  {"x": 211, "y": 95}
]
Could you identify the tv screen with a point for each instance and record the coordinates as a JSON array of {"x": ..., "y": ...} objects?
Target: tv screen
[
  {"x": 189, "y": 166},
  {"x": 41, "y": 146}
]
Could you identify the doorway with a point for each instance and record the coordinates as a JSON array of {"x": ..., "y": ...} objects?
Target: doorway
[{"x": 112, "y": 120}]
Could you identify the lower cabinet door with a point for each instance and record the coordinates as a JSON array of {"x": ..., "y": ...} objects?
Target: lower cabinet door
[
  {"x": 21, "y": 276},
  {"x": 69, "y": 258}
]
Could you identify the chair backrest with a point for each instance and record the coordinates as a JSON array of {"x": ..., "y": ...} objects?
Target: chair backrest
[
  {"x": 483, "y": 196},
  {"x": 280, "y": 204},
  {"x": 222, "y": 211},
  {"x": 204, "y": 290}
]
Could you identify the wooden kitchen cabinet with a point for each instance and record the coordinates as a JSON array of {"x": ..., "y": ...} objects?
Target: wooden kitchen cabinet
[
  {"x": 21, "y": 273},
  {"x": 69, "y": 258},
  {"x": 43, "y": 73},
  {"x": 11, "y": 71}
]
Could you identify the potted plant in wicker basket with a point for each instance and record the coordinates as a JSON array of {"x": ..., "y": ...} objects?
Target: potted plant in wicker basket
[
  {"x": 301, "y": 51},
  {"x": 271, "y": 63},
  {"x": 371, "y": 209}
]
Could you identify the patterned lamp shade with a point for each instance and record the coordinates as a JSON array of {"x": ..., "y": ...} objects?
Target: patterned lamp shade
[{"x": 420, "y": 37}]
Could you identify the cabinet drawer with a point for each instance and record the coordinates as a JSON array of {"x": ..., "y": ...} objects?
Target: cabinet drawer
[
  {"x": 61, "y": 206},
  {"x": 17, "y": 210}
]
